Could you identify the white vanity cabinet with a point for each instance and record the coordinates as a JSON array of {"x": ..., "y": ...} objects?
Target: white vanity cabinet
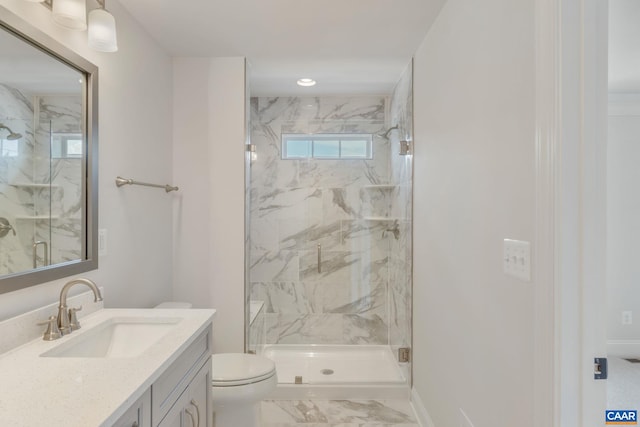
[
  {"x": 139, "y": 414},
  {"x": 181, "y": 396},
  {"x": 193, "y": 408},
  {"x": 124, "y": 368},
  {"x": 183, "y": 379}
]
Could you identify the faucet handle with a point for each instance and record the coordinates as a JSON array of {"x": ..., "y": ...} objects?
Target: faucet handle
[
  {"x": 73, "y": 319},
  {"x": 52, "y": 332}
]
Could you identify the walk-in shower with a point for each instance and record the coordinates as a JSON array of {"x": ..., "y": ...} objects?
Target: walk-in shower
[{"x": 329, "y": 242}]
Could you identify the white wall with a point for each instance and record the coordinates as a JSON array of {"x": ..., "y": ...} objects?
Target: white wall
[
  {"x": 135, "y": 142},
  {"x": 474, "y": 186},
  {"x": 209, "y": 154},
  {"x": 623, "y": 226}
]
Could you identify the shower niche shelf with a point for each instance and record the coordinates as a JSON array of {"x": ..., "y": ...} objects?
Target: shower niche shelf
[
  {"x": 37, "y": 217},
  {"x": 381, "y": 219},
  {"x": 379, "y": 187},
  {"x": 33, "y": 185}
]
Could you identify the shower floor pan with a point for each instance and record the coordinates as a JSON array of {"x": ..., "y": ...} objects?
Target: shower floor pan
[{"x": 336, "y": 372}]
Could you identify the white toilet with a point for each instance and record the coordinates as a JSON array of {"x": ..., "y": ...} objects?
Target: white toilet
[{"x": 239, "y": 382}]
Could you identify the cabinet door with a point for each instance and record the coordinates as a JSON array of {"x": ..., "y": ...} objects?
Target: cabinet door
[
  {"x": 176, "y": 417},
  {"x": 199, "y": 400},
  {"x": 193, "y": 408},
  {"x": 138, "y": 415}
]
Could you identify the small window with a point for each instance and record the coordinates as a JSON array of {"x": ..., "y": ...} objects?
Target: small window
[
  {"x": 8, "y": 148},
  {"x": 66, "y": 145},
  {"x": 327, "y": 146}
]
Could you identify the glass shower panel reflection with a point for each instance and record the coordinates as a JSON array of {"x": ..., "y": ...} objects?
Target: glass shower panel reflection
[
  {"x": 41, "y": 181},
  {"x": 329, "y": 242},
  {"x": 17, "y": 164}
]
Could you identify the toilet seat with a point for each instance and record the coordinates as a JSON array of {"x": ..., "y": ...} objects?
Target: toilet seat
[{"x": 237, "y": 369}]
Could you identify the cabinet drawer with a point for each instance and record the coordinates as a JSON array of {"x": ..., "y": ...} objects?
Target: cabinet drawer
[{"x": 168, "y": 388}]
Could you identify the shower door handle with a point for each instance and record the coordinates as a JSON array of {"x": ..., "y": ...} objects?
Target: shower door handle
[
  {"x": 35, "y": 253},
  {"x": 319, "y": 259}
]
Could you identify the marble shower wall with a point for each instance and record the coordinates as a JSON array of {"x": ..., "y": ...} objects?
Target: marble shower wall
[
  {"x": 341, "y": 205},
  {"x": 400, "y": 254},
  {"x": 16, "y": 166},
  {"x": 26, "y": 199}
]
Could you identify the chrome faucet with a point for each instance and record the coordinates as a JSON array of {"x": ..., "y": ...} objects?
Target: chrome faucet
[{"x": 63, "y": 315}]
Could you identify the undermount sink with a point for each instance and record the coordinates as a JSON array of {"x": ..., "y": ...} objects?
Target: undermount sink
[{"x": 117, "y": 337}]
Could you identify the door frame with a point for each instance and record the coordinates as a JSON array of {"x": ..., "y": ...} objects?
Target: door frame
[{"x": 571, "y": 130}]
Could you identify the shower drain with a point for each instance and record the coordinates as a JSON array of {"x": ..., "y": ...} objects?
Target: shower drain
[{"x": 327, "y": 372}]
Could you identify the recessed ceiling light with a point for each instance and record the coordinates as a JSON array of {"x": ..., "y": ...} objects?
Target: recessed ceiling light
[{"x": 306, "y": 82}]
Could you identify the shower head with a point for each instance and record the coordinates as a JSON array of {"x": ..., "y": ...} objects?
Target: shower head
[
  {"x": 386, "y": 134},
  {"x": 12, "y": 135}
]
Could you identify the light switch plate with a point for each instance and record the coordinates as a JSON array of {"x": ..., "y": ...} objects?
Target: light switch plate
[
  {"x": 516, "y": 259},
  {"x": 102, "y": 242}
]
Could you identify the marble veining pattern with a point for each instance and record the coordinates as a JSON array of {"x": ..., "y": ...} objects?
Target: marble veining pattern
[
  {"x": 344, "y": 209},
  {"x": 16, "y": 112},
  {"x": 337, "y": 413},
  {"x": 40, "y": 213}
]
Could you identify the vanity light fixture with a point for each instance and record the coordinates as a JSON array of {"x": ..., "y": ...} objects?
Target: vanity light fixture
[
  {"x": 102, "y": 30},
  {"x": 306, "y": 82},
  {"x": 72, "y": 14}
]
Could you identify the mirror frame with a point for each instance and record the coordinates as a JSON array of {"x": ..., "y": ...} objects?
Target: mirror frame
[{"x": 39, "y": 40}]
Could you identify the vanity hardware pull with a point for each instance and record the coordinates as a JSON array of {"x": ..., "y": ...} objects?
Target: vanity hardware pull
[
  {"x": 73, "y": 319},
  {"x": 35, "y": 253},
  {"x": 52, "y": 332},
  {"x": 124, "y": 181},
  {"x": 319, "y": 259},
  {"x": 193, "y": 420},
  {"x": 194, "y": 403}
]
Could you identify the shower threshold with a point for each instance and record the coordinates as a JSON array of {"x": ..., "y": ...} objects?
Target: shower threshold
[{"x": 337, "y": 372}]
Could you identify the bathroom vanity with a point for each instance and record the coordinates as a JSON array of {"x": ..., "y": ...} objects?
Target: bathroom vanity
[{"x": 124, "y": 367}]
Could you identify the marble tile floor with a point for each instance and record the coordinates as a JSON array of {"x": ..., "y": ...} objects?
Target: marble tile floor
[{"x": 338, "y": 413}]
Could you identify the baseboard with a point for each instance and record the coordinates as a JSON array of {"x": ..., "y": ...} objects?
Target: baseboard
[
  {"x": 624, "y": 348},
  {"x": 423, "y": 416}
]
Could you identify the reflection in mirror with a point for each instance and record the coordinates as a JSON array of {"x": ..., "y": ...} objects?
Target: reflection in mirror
[{"x": 47, "y": 210}]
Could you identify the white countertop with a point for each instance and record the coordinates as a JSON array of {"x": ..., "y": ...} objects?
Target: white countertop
[{"x": 88, "y": 392}]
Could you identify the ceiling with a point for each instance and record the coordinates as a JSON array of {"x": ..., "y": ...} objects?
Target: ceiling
[
  {"x": 624, "y": 46},
  {"x": 347, "y": 46}
]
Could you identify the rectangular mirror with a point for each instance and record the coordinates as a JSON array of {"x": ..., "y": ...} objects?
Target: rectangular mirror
[{"x": 48, "y": 158}]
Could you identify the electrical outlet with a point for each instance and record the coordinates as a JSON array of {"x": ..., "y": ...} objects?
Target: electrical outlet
[
  {"x": 627, "y": 317},
  {"x": 102, "y": 242},
  {"x": 516, "y": 259}
]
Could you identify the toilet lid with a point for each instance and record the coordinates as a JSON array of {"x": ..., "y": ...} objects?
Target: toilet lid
[{"x": 230, "y": 369}]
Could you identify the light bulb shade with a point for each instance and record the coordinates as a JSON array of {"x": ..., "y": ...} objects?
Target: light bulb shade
[
  {"x": 70, "y": 14},
  {"x": 102, "y": 31}
]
